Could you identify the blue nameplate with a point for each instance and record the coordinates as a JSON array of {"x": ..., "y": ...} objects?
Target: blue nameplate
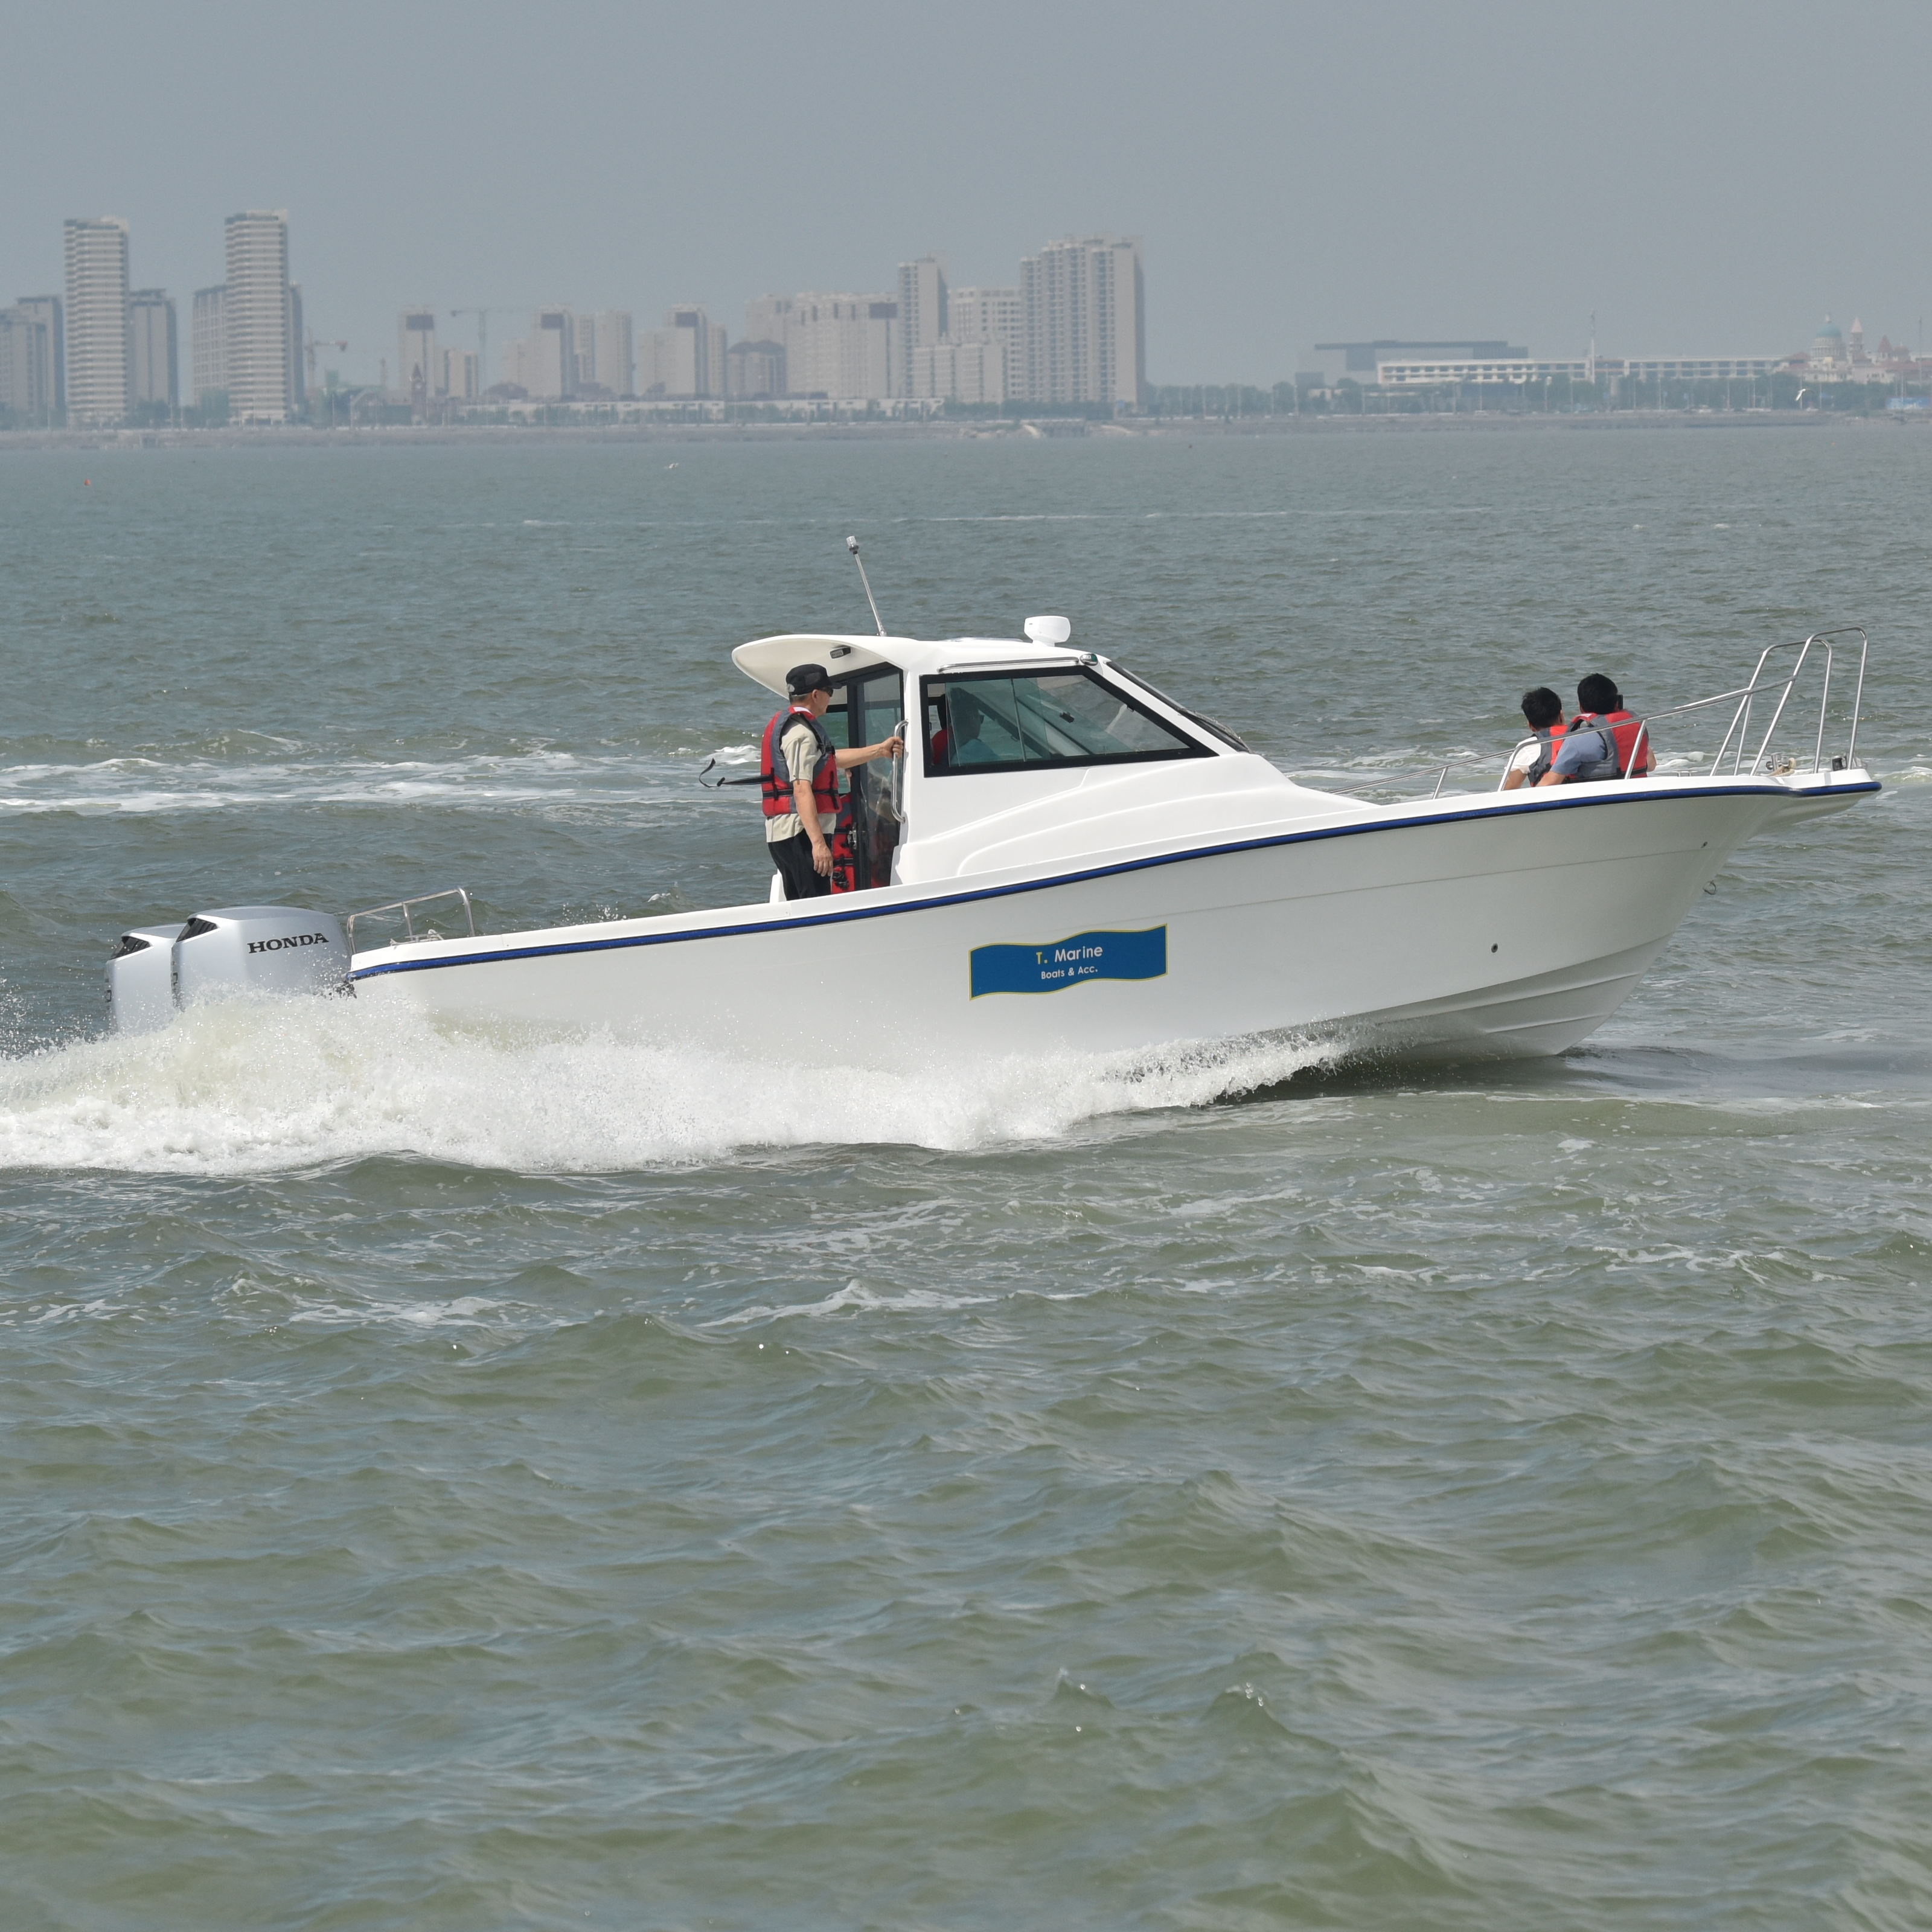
[{"x": 1069, "y": 962}]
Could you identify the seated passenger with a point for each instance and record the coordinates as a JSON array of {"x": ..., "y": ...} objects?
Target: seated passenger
[
  {"x": 1542, "y": 712},
  {"x": 967, "y": 715},
  {"x": 1602, "y": 740}
]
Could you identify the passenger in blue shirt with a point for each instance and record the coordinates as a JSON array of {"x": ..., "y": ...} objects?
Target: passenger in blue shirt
[
  {"x": 1603, "y": 740},
  {"x": 967, "y": 714}
]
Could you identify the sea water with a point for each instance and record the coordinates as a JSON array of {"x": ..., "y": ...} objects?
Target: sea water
[{"x": 467, "y": 1480}]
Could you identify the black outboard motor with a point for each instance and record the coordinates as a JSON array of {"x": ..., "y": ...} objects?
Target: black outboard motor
[{"x": 155, "y": 970}]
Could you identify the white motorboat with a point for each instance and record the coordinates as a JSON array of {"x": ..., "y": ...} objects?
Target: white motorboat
[{"x": 1097, "y": 867}]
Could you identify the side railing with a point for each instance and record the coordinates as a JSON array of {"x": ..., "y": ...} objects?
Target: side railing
[
  {"x": 407, "y": 908},
  {"x": 1747, "y": 703}
]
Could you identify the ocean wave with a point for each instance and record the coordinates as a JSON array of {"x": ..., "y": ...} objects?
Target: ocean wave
[
  {"x": 248, "y": 1086},
  {"x": 145, "y": 786}
]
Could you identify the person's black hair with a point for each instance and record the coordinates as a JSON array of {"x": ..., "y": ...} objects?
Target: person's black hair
[
  {"x": 1599, "y": 693},
  {"x": 1542, "y": 708}
]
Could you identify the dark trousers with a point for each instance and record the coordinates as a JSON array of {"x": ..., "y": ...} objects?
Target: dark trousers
[{"x": 792, "y": 857}]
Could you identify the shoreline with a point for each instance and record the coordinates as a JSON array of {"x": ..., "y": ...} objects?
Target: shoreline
[{"x": 1045, "y": 429}]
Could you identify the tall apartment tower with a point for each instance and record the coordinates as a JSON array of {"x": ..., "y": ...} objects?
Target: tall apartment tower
[
  {"x": 846, "y": 347},
  {"x": 1084, "y": 305},
  {"x": 416, "y": 358},
  {"x": 921, "y": 316},
  {"x": 298, "y": 388},
  {"x": 607, "y": 352},
  {"x": 97, "y": 320},
  {"x": 26, "y": 365},
  {"x": 29, "y": 351},
  {"x": 153, "y": 351},
  {"x": 461, "y": 379},
  {"x": 543, "y": 364},
  {"x": 258, "y": 320},
  {"x": 993, "y": 322},
  {"x": 48, "y": 311},
  {"x": 988, "y": 315},
  {"x": 208, "y": 345},
  {"x": 685, "y": 358}
]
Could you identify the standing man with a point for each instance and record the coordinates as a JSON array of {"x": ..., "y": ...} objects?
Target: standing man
[{"x": 798, "y": 773}]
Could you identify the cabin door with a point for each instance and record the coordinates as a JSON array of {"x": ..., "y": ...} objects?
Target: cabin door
[{"x": 870, "y": 706}]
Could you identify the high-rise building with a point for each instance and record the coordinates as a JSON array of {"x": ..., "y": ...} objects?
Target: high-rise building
[
  {"x": 459, "y": 376},
  {"x": 49, "y": 312},
  {"x": 26, "y": 369},
  {"x": 684, "y": 358},
  {"x": 989, "y": 315},
  {"x": 846, "y": 347},
  {"x": 258, "y": 318},
  {"x": 298, "y": 388},
  {"x": 1084, "y": 306},
  {"x": 153, "y": 355},
  {"x": 208, "y": 346},
  {"x": 27, "y": 364},
  {"x": 754, "y": 370},
  {"x": 607, "y": 354},
  {"x": 551, "y": 367},
  {"x": 765, "y": 318},
  {"x": 921, "y": 316},
  {"x": 543, "y": 364},
  {"x": 958, "y": 372},
  {"x": 416, "y": 358},
  {"x": 97, "y": 320}
]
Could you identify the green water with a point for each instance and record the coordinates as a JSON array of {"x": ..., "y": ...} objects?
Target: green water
[{"x": 563, "y": 1481}]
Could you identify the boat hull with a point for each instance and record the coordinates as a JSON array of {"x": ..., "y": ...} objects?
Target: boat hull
[{"x": 1472, "y": 927}]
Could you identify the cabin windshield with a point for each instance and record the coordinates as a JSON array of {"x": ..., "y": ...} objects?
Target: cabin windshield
[{"x": 1044, "y": 720}]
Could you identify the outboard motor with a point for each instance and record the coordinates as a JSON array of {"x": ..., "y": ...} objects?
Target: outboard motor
[
  {"x": 156, "y": 970},
  {"x": 141, "y": 978}
]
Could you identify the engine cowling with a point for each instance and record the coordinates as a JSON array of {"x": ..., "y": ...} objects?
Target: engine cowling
[{"x": 155, "y": 970}]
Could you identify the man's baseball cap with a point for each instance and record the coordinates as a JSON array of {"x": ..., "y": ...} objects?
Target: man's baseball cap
[{"x": 803, "y": 679}]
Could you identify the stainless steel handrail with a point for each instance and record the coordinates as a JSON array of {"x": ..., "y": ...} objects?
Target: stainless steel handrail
[
  {"x": 403, "y": 906},
  {"x": 1736, "y": 740}
]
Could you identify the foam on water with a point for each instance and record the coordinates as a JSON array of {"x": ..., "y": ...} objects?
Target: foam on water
[
  {"x": 245, "y": 1086},
  {"x": 142, "y": 786}
]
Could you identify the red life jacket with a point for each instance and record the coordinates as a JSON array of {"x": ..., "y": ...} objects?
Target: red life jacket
[
  {"x": 1622, "y": 729},
  {"x": 835, "y": 814},
  {"x": 1627, "y": 729},
  {"x": 1552, "y": 735},
  {"x": 775, "y": 792}
]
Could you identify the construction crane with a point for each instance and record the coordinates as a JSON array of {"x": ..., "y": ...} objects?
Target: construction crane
[
  {"x": 483, "y": 316},
  {"x": 312, "y": 343}
]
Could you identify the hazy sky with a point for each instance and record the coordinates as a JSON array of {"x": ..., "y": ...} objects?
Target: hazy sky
[{"x": 1709, "y": 178}]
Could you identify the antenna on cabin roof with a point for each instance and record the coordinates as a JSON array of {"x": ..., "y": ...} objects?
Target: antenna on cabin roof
[{"x": 852, "y": 545}]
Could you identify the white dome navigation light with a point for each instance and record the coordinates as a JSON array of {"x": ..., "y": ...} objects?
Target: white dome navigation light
[{"x": 1048, "y": 630}]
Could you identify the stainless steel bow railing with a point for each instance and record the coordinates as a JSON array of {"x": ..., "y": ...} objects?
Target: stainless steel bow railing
[
  {"x": 1736, "y": 743},
  {"x": 407, "y": 907}
]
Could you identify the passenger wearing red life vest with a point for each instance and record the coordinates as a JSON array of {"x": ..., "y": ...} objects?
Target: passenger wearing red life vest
[
  {"x": 1542, "y": 712},
  {"x": 799, "y": 768},
  {"x": 1603, "y": 740}
]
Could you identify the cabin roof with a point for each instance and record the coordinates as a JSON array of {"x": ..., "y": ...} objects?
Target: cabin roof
[{"x": 766, "y": 660}]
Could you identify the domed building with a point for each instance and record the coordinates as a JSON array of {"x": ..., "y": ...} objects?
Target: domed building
[{"x": 1828, "y": 360}]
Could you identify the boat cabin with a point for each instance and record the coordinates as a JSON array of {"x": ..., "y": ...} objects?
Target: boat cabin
[{"x": 1005, "y": 739}]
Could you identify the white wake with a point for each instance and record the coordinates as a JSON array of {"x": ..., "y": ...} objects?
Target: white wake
[{"x": 248, "y": 1087}]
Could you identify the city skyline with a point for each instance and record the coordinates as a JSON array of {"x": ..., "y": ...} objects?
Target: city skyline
[
  {"x": 1296, "y": 175},
  {"x": 1071, "y": 333}
]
